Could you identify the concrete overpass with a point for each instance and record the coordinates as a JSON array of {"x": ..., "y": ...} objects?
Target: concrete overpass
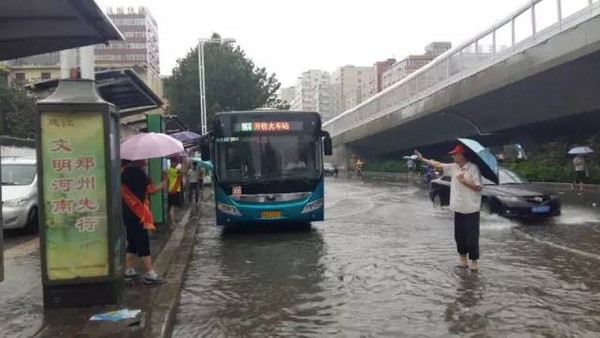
[{"x": 539, "y": 64}]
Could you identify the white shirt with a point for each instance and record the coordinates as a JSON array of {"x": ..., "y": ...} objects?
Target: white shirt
[
  {"x": 193, "y": 175},
  {"x": 579, "y": 163},
  {"x": 463, "y": 199}
]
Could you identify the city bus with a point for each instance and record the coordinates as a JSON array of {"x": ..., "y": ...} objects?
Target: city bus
[{"x": 267, "y": 166}]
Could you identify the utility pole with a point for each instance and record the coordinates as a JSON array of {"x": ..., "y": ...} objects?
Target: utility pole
[{"x": 201, "y": 77}]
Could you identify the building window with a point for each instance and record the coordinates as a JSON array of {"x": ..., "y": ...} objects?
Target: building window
[
  {"x": 20, "y": 77},
  {"x": 46, "y": 75}
]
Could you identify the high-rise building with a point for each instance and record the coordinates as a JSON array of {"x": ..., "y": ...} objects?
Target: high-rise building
[
  {"x": 139, "y": 51},
  {"x": 322, "y": 96},
  {"x": 313, "y": 93},
  {"x": 411, "y": 63},
  {"x": 347, "y": 86},
  {"x": 141, "y": 40},
  {"x": 287, "y": 94},
  {"x": 374, "y": 83}
]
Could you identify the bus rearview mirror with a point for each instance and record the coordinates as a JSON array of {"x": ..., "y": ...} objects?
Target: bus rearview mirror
[{"x": 327, "y": 146}]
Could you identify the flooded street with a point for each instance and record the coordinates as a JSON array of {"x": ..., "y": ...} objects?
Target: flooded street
[
  {"x": 21, "y": 307},
  {"x": 383, "y": 265}
]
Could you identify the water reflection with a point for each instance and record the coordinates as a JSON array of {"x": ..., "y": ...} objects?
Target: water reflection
[
  {"x": 463, "y": 315},
  {"x": 259, "y": 283},
  {"x": 381, "y": 265}
]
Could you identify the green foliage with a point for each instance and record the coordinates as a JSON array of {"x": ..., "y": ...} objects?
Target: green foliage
[
  {"x": 17, "y": 112},
  {"x": 233, "y": 82},
  {"x": 387, "y": 166},
  {"x": 553, "y": 164}
]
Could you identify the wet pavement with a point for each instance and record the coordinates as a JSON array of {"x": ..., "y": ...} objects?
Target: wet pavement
[
  {"x": 382, "y": 265},
  {"x": 21, "y": 300},
  {"x": 21, "y": 309}
]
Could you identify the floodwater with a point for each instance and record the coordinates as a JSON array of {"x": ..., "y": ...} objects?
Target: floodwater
[{"x": 383, "y": 265}]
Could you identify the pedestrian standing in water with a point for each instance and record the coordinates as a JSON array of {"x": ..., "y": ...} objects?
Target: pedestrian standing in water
[
  {"x": 580, "y": 171},
  {"x": 465, "y": 202}
]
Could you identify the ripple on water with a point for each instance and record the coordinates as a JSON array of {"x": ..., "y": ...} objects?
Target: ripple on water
[{"x": 386, "y": 268}]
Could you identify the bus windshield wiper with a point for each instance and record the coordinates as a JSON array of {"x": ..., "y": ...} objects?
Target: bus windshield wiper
[{"x": 8, "y": 183}]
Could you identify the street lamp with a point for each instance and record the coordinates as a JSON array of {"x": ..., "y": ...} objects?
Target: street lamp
[{"x": 201, "y": 43}]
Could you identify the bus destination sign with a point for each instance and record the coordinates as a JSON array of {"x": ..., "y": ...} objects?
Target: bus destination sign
[{"x": 268, "y": 126}]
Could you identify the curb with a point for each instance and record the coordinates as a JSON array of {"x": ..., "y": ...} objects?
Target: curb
[{"x": 172, "y": 264}]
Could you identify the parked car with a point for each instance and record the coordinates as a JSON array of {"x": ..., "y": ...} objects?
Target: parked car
[
  {"x": 514, "y": 197},
  {"x": 19, "y": 194},
  {"x": 328, "y": 168}
]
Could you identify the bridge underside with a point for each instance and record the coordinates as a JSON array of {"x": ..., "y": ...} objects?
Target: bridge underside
[{"x": 551, "y": 86}]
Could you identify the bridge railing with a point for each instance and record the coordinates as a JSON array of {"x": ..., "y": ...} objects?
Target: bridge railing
[{"x": 530, "y": 25}]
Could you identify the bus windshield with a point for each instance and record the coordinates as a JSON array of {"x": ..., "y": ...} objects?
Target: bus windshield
[{"x": 268, "y": 157}]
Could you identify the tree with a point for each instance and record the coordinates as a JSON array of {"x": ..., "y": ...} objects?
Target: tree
[
  {"x": 233, "y": 82},
  {"x": 17, "y": 112}
]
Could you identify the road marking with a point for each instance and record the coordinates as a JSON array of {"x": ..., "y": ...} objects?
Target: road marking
[
  {"x": 558, "y": 246},
  {"x": 22, "y": 249}
]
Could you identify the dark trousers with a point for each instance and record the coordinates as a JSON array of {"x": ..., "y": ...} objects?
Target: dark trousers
[
  {"x": 466, "y": 234},
  {"x": 194, "y": 188},
  {"x": 138, "y": 242}
]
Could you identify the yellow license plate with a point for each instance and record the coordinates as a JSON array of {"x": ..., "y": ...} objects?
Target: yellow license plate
[{"x": 270, "y": 214}]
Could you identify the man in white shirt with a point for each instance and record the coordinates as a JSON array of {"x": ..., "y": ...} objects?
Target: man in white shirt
[
  {"x": 465, "y": 202},
  {"x": 194, "y": 179}
]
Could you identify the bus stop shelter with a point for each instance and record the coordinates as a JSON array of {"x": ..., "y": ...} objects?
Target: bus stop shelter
[
  {"x": 40, "y": 26},
  {"x": 121, "y": 87}
]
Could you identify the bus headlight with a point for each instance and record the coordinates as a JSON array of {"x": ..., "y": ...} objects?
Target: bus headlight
[
  {"x": 228, "y": 209},
  {"x": 312, "y": 206}
]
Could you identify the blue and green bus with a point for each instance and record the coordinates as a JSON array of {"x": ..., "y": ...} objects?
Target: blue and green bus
[{"x": 268, "y": 166}]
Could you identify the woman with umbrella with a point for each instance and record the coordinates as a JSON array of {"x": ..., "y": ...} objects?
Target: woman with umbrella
[{"x": 465, "y": 194}]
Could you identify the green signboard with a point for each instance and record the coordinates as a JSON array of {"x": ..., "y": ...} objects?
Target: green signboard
[{"x": 74, "y": 195}]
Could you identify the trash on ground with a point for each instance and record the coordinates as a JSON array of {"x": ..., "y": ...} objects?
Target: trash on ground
[{"x": 115, "y": 316}]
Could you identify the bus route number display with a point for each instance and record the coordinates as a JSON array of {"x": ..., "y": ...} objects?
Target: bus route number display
[{"x": 268, "y": 126}]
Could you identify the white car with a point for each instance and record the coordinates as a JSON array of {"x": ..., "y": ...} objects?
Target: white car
[
  {"x": 328, "y": 168},
  {"x": 19, "y": 194}
]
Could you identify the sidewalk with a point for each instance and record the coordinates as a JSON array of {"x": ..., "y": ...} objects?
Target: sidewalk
[{"x": 170, "y": 250}]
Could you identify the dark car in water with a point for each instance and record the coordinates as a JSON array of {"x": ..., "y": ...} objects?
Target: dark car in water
[{"x": 513, "y": 197}]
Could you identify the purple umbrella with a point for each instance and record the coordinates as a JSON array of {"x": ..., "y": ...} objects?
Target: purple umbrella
[
  {"x": 151, "y": 145},
  {"x": 186, "y": 136}
]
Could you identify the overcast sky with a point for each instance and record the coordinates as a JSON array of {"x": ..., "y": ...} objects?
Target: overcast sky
[{"x": 288, "y": 37}]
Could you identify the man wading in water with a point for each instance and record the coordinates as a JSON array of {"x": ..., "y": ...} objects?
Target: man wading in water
[{"x": 465, "y": 202}]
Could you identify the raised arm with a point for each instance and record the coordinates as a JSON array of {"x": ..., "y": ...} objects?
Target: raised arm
[{"x": 433, "y": 163}]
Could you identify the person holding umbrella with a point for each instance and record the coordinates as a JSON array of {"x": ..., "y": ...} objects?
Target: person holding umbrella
[
  {"x": 581, "y": 169},
  {"x": 465, "y": 202},
  {"x": 135, "y": 188}
]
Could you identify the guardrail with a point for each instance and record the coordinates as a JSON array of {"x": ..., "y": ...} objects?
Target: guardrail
[{"x": 533, "y": 23}]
